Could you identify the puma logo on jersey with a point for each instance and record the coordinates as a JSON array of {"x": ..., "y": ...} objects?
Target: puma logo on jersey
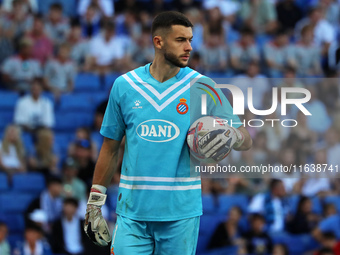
[{"x": 157, "y": 130}]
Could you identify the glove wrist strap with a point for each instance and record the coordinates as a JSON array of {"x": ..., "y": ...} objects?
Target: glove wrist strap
[
  {"x": 100, "y": 188},
  {"x": 97, "y": 199}
]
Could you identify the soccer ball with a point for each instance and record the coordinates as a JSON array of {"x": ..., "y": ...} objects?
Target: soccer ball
[{"x": 198, "y": 129}]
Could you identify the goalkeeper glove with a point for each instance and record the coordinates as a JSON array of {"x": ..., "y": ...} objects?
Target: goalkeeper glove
[
  {"x": 95, "y": 225},
  {"x": 217, "y": 144}
]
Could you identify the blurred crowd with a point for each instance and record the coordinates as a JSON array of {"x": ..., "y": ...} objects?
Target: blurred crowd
[{"x": 46, "y": 45}]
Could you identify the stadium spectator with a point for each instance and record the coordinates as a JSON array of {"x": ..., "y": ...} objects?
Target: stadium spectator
[
  {"x": 319, "y": 121},
  {"x": 324, "y": 33},
  {"x": 257, "y": 241},
  {"x": 5, "y": 249},
  {"x": 143, "y": 52},
  {"x": 19, "y": 71},
  {"x": 49, "y": 201},
  {"x": 328, "y": 210},
  {"x": 83, "y": 157},
  {"x": 34, "y": 111},
  {"x": 227, "y": 233},
  {"x": 60, "y": 72},
  {"x": 290, "y": 80},
  {"x": 328, "y": 90},
  {"x": 307, "y": 54},
  {"x": 272, "y": 206},
  {"x": 68, "y": 235},
  {"x": 331, "y": 11},
  {"x": 280, "y": 249},
  {"x": 253, "y": 79},
  {"x": 30, "y": 5},
  {"x": 83, "y": 133},
  {"x": 90, "y": 22},
  {"x": 42, "y": 45},
  {"x": 18, "y": 20},
  {"x": 260, "y": 15},
  {"x": 12, "y": 151},
  {"x": 332, "y": 146},
  {"x": 279, "y": 54},
  {"x": 73, "y": 186},
  {"x": 44, "y": 158},
  {"x": 244, "y": 51},
  {"x": 79, "y": 46},
  {"x": 104, "y": 7},
  {"x": 288, "y": 14},
  {"x": 34, "y": 242},
  {"x": 56, "y": 26},
  {"x": 317, "y": 184},
  {"x": 260, "y": 150},
  {"x": 330, "y": 244},
  {"x": 214, "y": 53},
  {"x": 195, "y": 17},
  {"x": 109, "y": 52},
  {"x": 304, "y": 220}
]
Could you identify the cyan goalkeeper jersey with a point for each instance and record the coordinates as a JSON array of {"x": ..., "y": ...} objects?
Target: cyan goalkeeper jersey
[{"x": 156, "y": 183}]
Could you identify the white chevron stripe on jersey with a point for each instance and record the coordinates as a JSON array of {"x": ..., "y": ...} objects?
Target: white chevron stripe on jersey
[
  {"x": 160, "y": 179},
  {"x": 159, "y": 187},
  {"x": 159, "y": 108},
  {"x": 168, "y": 90}
]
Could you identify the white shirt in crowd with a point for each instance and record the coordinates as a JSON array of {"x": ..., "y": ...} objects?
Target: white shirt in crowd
[
  {"x": 10, "y": 159},
  {"x": 34, "y": 113},
  {"x": 105, "y": 52},
  {"x": 106, "y": 6}
]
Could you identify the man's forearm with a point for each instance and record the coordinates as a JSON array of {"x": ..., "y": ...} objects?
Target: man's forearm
[{"x": 106, "y": 163}]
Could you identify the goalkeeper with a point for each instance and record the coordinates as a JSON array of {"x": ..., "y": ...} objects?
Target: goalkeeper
[{"x": 159, "y": 201}]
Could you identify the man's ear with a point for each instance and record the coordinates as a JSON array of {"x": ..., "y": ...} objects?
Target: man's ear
[{"x": 158, "y": 42}]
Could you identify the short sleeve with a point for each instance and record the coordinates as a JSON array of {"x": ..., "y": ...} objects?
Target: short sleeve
[
  {"x": 7, "y": 66},
  {"x": 217, "y": 103},
  {"x": 113, "y": 125},
  {"x": 327, "y": 225}
]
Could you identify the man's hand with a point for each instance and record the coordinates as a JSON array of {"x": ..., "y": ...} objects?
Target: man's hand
[
  {"x": 217, "y": 144},
  {"x": 95, "y": 225}
]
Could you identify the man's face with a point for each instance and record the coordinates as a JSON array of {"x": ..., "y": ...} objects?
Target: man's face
[
  {"x": 69, "y": 210},
  {"x": 177, "y": 45}
]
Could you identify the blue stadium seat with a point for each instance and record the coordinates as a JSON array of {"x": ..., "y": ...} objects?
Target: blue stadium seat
[
  {"x": 109, "y": 80},
  {"x": 6, "y": 118},
  {"x": 28, "y": 142},
  {"x": 316, "y": 204},
  {"x": 70, "y": 121},
  {"x": 32, "y": 183},
  {"x": 233, "y": 250},
  {"x": 208, "y": 204},
  {"x": 228, "y": 201},
  {"x": 62, "y": 140},
  {"x": 15, "y": 222},
  {"x": 97, "y": 138},
  {"x": 14, "y": 202},
  {"x": 3, "y": 182},
  {"x": 76, "y": 102},
  {"x": 8, "y": 100},
  {"x": 208, "y": 224},
  {"x": 297, "y": 244},
  {"x": 86, "y": 82}
]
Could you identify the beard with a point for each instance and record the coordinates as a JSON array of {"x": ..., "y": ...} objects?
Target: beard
[{"x": 173, "y": 59}]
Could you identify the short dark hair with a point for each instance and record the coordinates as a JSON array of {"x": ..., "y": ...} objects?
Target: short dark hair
[
  {"x": 257, "y": 216},
  {"x": 247, "y": 31},
  {"x": 72, "y": 201},
  {"x": 54, "y": 180},
  {"x": 56, "y": 6},
  {"x": 274, "y": 183},
  {"x": 167, "y": 19}
]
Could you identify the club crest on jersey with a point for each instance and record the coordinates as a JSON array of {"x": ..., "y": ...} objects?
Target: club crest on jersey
[{"x": 182, "y": 107}]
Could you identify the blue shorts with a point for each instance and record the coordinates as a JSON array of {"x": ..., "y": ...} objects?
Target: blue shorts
[{"x": 131, "y": 237}]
